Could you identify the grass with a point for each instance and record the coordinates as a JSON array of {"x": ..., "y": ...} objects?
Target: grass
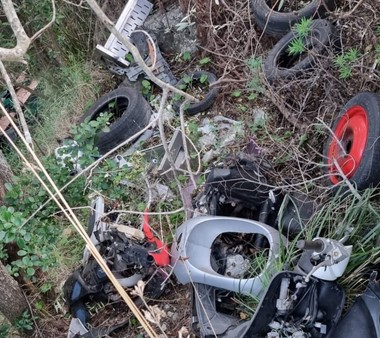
[
  {"x": 340, "y": 216},
  {"x": 64, "y": 95}
]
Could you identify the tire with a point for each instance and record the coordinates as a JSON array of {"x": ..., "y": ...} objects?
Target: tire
[
  {"x": 132, "y": 114},
  {"x": 279, "y": 23},
  {"x": 298, "y": 210},
  {"x": 209, "y": 98},
  {"x": 280, "y": 65},
  {"x": 358, "y": 130}
]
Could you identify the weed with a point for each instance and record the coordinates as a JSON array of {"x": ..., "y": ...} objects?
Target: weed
[
  {"x": 377, "y": 50},
  {"x": 187, "y": 79},
  {"x": 302, "y": 29},
  {"x": 36, "y": 243},
  {"x": 256, "y": 126},
  {"x": 296, "y": 47},
  {"x": 129, "y": 57},
  {"x": 236, "y": 93},
  {"x": 25, "y": 322},
  {"x": 241, "y": 107},
  {"x": 337, "y": 218},
  {"x": 193, "y": 128},
  {"x": 345, "y": 62},
  {"x": 4, "y": 331},
  {"x": 254, "y": 64},
  {"x": 377, "y": 31},
  {"x": 303, "y": 140},
  {"x": 204, "y": 61},
  {"x": 31, "y": 252},
  {"x": 203, "y": 79},
  {"x": 186, "y": 56},
  {"x": 254, "y": 86},
  {"x": 147, "y": 89}
]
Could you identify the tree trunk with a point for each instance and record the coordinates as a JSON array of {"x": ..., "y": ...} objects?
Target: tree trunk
[
  {"x": 12, "y": 301},
  {"x": 5, "y": 176}
]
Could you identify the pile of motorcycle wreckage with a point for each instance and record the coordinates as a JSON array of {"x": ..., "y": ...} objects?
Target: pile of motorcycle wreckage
[{"x": 229, "y": 251}]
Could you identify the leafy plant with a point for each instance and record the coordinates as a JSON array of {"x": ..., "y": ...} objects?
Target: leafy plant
[
  {"x": 4, "y": 331},
  {"x": 146, "y": 87},
  {"x": 203, "y": 79},
  {"x": 29, "y": 245},
  {"x": 35, "y": 242},
  {"x": 296, "y": 47},
  {"x": 302, "y": 29},
  {"x": 254, "y": 86},
  {"x": 129, "y": 57},
  {"x": 25, "y": 322},
  {"x": 377, "y": 31},
  {"x": 186, "y": 56},
  {"x": 255, "y": 63},
  {"x": 236, "y": 93},
  {"x": 377, "y": 50},
  {"x": 193, "y": 129},
  {"x": 204, "y": 61},
  {"x": 345, "y": 62}
]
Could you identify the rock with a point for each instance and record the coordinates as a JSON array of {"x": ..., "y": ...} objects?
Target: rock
[
  {"x": 208, "y": 156},
  {"x": 259, "y": 116}
]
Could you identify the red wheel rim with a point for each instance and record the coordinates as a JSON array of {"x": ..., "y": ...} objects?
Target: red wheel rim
[{"x": 347, "y": 153}]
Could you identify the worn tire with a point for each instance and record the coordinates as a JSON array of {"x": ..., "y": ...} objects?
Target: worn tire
[
  {"x": 209, "y": 98},
  {"x": 280, "y": 65},
  {"x": 279, "y": 23},
  {"x": 358, "y": 130},
  {"x": 132, "y": 114}
]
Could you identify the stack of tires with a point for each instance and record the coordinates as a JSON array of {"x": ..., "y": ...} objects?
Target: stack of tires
[{"x": 274, "y": 22}]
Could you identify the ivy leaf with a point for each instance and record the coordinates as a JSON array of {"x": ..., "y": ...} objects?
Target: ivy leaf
[
  {"x": 187, "y": 79},
  {"x": 186, "y": 56},
  {"x": 203, "y": 79},
  {"x": 21, "y": 253},
  {"x": 204, "y": 61},
  {"x": 236, "y": 93},
  {"x": 30, "y": 272}
]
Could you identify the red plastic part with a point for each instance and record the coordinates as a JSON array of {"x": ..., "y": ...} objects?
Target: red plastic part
[
  {"x": 161, "y": 254},
  {"x": 352, "y": 133}
]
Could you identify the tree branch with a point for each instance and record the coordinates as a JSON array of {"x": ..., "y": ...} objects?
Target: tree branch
[
  {"x": 16, "y": 103},
  {"x": 36, "y": 35},
  {"x": 23, "y": 41},
  {"x": 134, "y": 51},
  {"x": 17, "y": 53}
]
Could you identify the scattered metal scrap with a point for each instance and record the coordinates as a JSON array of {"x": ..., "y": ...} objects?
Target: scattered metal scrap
[
  {"x": 132, "y": 255},
  {"x": 114, "y": 52}
]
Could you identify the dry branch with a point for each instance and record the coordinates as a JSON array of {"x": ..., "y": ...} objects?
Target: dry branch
[
  {"x": 16, "y": 103},
  {"x": 134, "y": 51},
  {"x": 18, "y": 52}
]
